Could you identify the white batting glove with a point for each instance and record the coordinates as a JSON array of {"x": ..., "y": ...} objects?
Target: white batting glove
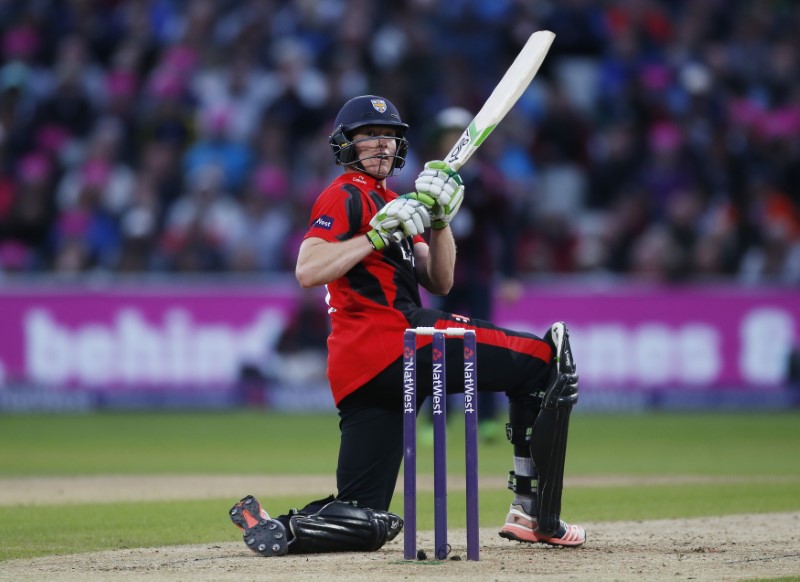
[
  {"x": 400, "y": 218},
  {"x": 442, "y": 190}
]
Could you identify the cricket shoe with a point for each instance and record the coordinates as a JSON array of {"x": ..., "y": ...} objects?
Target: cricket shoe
[
  {"x": 521, "y": 527},
  {"x": 263, "y": 535}
]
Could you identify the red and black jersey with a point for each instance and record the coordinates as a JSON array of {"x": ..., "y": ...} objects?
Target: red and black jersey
[{"x": 370, "y": 305}]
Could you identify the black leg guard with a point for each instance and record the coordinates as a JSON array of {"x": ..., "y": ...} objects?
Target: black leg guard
[
  {"x": 393, "y": 522},
  {"x": 341, "y": 526},
  {"x": 549, "y": 441},
  {"x": 325, "y": 525},
  {"x": 549, "y": 448}
]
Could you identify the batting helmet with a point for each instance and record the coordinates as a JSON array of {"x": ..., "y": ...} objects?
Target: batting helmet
[{"x": 361, "y": 111}]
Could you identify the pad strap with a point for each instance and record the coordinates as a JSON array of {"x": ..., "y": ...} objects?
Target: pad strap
[
  {"x": 522, "y": 484},
  {"x": 519, "y": 434}
]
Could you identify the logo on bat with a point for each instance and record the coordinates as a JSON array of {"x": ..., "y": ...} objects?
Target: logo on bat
[{"x": 462, "y": 143}]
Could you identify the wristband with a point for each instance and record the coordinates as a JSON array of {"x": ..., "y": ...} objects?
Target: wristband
[
  {"x": 439, "y": 224},
  {"x": 375, "y": 240}
]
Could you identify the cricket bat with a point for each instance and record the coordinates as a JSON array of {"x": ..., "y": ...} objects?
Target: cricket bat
[{"x": 505, "y": 95}]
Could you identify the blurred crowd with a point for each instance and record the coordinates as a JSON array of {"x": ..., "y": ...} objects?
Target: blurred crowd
[{"x": 660, "y": 140}]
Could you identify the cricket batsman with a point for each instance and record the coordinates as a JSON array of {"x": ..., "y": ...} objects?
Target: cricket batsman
[{"x": 365, "y": 244}]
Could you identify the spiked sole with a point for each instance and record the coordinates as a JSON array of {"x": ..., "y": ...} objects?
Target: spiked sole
[{"x": 261, "y": 534}]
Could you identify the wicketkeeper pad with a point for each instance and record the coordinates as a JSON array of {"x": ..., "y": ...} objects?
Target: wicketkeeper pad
[
  {"x": 327, "y": 525},
  {"x": 341, "y": 526}
]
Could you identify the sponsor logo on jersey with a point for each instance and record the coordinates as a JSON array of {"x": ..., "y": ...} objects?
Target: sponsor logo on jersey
[
  {"x": 359, "y": 178},
  {"x": 324, "y": 221},
  {"x": 379, "y": 105}
]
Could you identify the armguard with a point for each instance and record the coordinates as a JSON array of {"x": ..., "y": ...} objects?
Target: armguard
[{"x": 341, "y": 526}]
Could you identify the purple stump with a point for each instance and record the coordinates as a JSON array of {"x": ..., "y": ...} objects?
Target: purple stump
[
  {"x": 439, "y": 402},
  {"x": 410, "y": 444},
  {"x": 471, "y": 441}
]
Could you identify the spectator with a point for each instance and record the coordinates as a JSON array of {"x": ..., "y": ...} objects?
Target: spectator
[
  {"x": 241, "y": 90},
  {"x": 27, "y": 213},
  {"x": 260, "y": 245},
  {"x": 205, "y": 217},
  {"x": 101, "y": 174},
  {"x": 215, "y": 145},
  {"x": 642, "y": 132}
]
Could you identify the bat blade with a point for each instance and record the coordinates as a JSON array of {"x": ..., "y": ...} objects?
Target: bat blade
[{"x": 507, "y": 92}]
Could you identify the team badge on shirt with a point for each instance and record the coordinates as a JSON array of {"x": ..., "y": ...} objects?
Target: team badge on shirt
[{"x": 379, "y": 105}]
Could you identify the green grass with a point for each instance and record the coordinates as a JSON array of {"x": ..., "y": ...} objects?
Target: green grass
[
  {"x": 683, "y": 444},
  {"x": 77, "y": 528},
  {"x": 139, "y": 443},
  {"x": 758, "y": 450},
  {"x": 83, "y": 527},
  {"x": 226, "y": 443}
]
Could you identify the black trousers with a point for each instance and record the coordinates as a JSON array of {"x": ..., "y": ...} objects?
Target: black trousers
[{"x": 371, "y": 418}]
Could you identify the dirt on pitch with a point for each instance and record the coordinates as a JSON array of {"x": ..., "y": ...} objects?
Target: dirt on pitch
[{"x": 721, "y": 548}]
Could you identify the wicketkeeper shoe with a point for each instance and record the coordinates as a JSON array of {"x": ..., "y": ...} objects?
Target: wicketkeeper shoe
[
  {"x": 521, "y": 527},
  {"x": 263, "y": 535}
]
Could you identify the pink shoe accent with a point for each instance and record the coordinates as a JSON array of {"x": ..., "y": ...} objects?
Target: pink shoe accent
[
  {"x": 518, "y": 526},
  {"x": 522, "y": 527},
  {"x": 573, "y": 537}
]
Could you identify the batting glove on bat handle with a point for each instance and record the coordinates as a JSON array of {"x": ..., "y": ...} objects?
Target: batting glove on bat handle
[
  {"x": 440, "y": 183},
  {"x": 400, "y": 218}
]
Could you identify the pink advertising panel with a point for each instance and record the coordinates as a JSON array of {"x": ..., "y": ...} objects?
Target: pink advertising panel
[
  {"x": 697, "y": 338},
  {"x": 200, "y": 335},
  {"x": 162, "y": 335}
]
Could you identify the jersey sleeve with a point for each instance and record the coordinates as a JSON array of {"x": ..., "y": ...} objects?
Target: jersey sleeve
[
  {"x": 343, "y": 213},
  {"x": 329, "y": 218}
]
